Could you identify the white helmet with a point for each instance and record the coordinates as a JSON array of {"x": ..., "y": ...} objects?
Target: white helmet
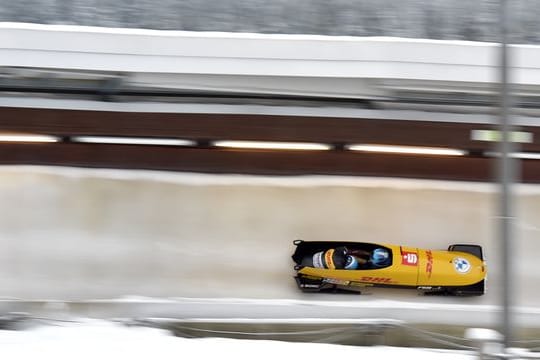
[
  {"x": 379, "y": 257},
  {"x": 352, "y": 263}
]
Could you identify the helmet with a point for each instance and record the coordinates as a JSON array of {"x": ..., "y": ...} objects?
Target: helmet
[
  {"x": 352, "y": 263},
  {"x": 324, "y": 259},
  {"x": 330, "y": 259},
  {"x": 379, "y": 257},
  {"x": 318, "y": 260}
]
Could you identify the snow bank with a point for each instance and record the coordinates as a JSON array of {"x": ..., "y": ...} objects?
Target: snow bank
[{"x": 93, "y": 339}]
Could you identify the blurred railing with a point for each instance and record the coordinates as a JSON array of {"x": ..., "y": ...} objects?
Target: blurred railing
[{"x": 254, "y": 63}]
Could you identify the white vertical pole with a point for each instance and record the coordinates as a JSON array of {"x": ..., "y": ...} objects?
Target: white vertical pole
[{"x": 506, "y": 178}]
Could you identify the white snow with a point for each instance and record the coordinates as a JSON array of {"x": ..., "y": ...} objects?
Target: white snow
[{"x": 97, "y": 339}]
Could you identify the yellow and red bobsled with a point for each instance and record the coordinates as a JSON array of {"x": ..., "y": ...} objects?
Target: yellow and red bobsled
[{"x": 459, "y": 270}]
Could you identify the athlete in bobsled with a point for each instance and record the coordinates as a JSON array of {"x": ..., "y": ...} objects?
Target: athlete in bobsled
[{"x": 343, "y": 258}]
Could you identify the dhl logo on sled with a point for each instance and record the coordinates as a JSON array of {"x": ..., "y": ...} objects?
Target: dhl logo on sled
[{"x": 331, "y": 266}]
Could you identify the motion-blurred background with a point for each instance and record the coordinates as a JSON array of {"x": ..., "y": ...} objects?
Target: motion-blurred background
[{"x": 158, "y": 159}]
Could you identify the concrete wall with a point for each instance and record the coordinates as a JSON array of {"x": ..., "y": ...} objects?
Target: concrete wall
[{"x": 79, "y": 234}]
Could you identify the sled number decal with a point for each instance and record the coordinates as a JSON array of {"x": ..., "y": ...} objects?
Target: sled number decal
[{"x": 409, "y": 258}]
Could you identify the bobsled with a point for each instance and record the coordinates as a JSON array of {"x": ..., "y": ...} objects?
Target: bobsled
[{"x": 331, "y": 266}]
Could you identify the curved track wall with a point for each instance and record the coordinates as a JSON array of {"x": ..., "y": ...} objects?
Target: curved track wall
[{"x": 82, "y": 234}]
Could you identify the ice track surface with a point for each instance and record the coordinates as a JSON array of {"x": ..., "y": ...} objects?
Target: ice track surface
[{"x": 77, "y": 234}]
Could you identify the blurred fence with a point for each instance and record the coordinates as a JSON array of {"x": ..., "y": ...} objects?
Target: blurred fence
[{"x": 432, "y": 19}]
